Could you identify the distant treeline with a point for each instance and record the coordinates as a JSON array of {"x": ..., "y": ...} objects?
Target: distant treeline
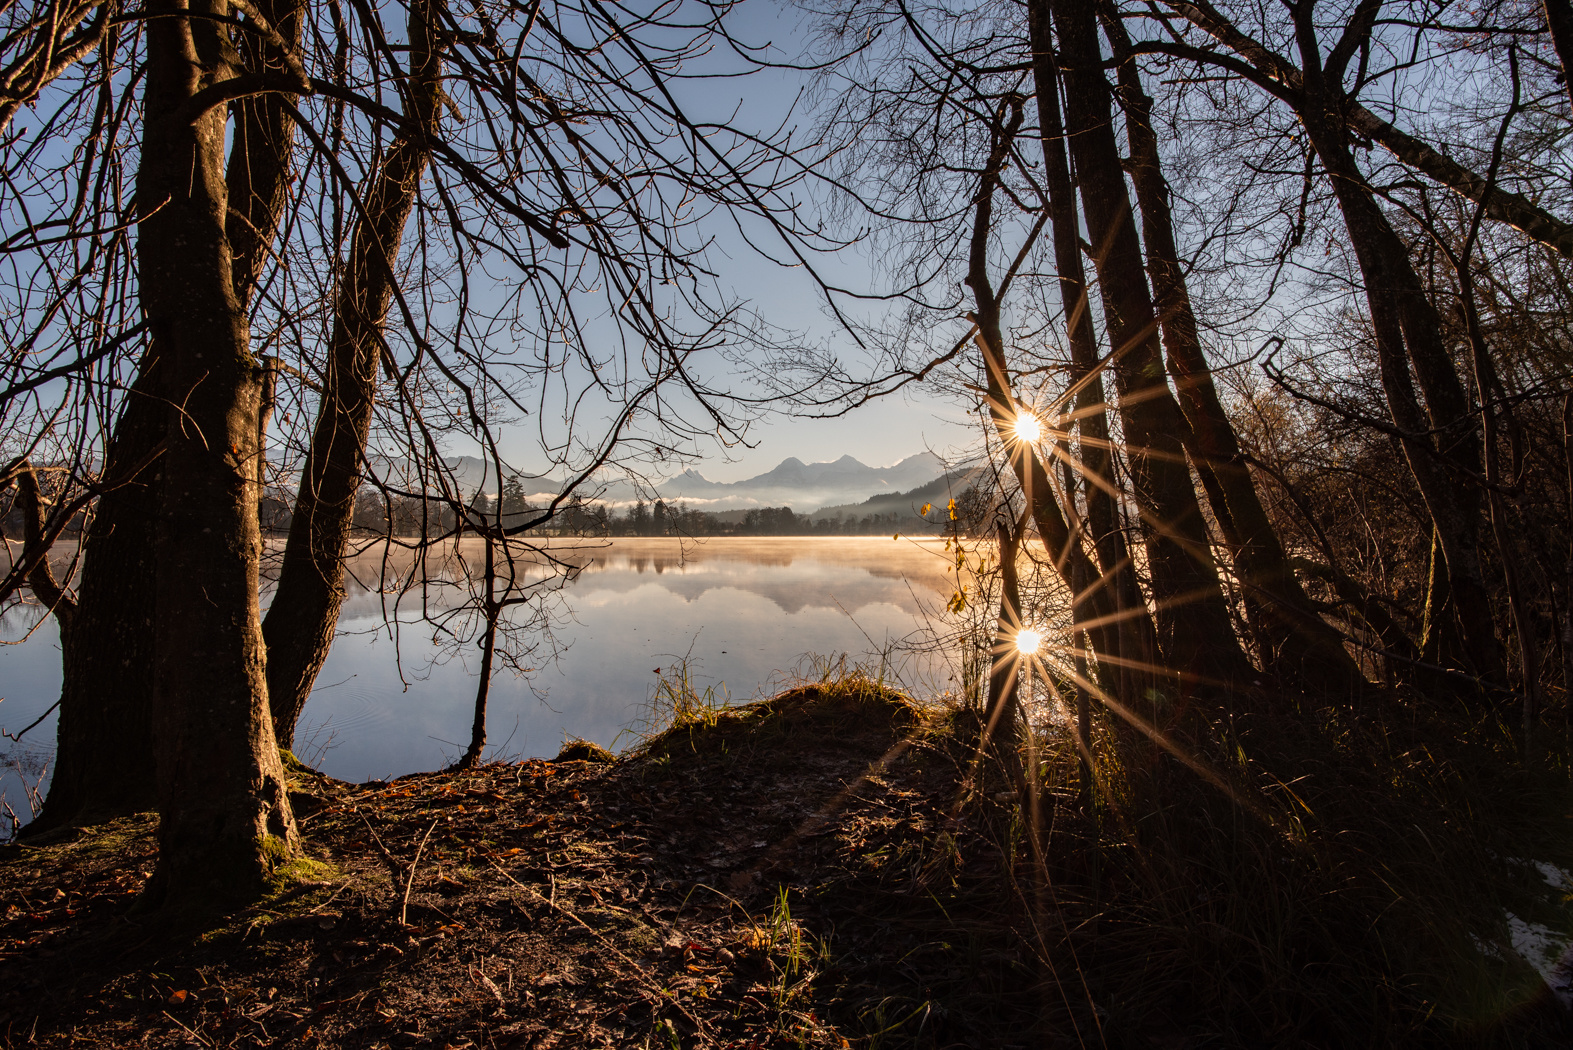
[
  {"x": 413, "y": 516},
  {"x": 380, "y": 513},
  {"x": 661, "y": 519}
]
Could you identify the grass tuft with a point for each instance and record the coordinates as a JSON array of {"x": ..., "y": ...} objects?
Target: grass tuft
[{"x": 577, "y": 749}]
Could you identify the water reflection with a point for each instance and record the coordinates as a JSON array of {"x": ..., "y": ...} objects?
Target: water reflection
[
  {"x": 393, "y": 699},
  {"x": 29, "y": 685}
]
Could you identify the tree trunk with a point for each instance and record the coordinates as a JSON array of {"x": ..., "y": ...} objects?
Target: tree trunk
[
  {"x": 1567, "y": 579},
  {"x": 305, "y": 610},
  {"x": 1365, "y": 608},
  {"x": 1137, "y": 638},
  {"x": 42, "y": 577},
  {"x": 1501, "y": 526},
  {"x": 1194, "y": 629},
  {"x": 1440, "y": 642},
  {"x": 1402, "y": 318},
  {"x": 104, "y": 749},
  {"x": 1093, "y": 609},
  {"x": 104, "y": 764},
  {"x": 1004, "y": 706},
  {"x": 492, "y": 610},
  {"x": 225, "y": 822},
  {"x": 1559, "y": 22},
  {"x": 260, "y": 157},
  {"x": 1298, "y": 644}
]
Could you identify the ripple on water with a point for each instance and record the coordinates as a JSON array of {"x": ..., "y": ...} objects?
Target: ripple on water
[{"x": 340, "y": 709}]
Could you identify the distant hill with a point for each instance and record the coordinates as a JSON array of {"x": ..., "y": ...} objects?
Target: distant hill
[
  {"x": 938, "y": 492},
  {"x": 791, "y": 483},
  {"x": 471, "y": 473},
  {"x": 801, "y": 486}
]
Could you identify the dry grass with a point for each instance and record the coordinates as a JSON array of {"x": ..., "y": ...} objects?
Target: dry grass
[{"x": 1344, "y": 880}]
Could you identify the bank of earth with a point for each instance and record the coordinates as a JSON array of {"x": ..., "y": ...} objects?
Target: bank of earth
[
  {"x": 830, "y": 868},
  {"x": 799, "y": 872}
]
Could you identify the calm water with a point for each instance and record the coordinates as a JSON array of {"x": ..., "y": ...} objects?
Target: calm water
[{"x": 747, "y": 613}]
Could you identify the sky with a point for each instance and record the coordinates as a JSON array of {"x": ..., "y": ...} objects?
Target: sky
[
  {"x": 879, "y": 433},
  {"x": 786, "y": 300},
  {"x": 558, "y": 424}
]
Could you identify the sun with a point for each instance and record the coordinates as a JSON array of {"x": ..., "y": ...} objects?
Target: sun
[
  {"x": 1027, "y": 427},
  {"x": 1028, "y": 641}
]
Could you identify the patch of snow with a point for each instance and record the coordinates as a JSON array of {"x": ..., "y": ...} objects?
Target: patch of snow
[
  {"x": 1548, "y": 952},
  {"x": 1557, "y": 878}
]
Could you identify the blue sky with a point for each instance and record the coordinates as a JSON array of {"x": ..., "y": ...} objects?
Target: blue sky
[{"x": 879, "y": 433}]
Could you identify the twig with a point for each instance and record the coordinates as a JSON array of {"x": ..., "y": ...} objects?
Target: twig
[
  {"x": 330, "y": 900},
  {"x": 194, "y": 1035},
  {"x": 409, "y": 883},
  {"x": 17, "y": 736},
  {"x": 394, "y": 867},
  {"x": 644, "y": 974}
]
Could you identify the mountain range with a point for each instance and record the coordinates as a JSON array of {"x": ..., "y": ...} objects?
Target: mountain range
[
  {"x": 791, "y": 483},
  {"x": 804, "y": 486}
]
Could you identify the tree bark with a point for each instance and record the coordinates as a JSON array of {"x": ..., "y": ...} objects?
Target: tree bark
[
  {"x": 1136, "y": 635},
  {"x": 1194, "y": 629},
  {"x": 225, "y": 824},
  {"x": 1559, "y": 23},
  {"x": 104, "y": 765},
  {"x": 1407, "y": 331},
  {"x": 305, "y": 611},
  {"x": 1299, "y": 645}
]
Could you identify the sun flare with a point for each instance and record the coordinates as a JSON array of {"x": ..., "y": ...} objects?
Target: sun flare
[
  {"x": 1028, "y": 641},
  {"x": 1027, "y": 427}
]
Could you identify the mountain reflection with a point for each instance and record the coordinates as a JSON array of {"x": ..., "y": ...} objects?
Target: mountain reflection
[
  {"x": 742, "y": 612},
  {"x": 395, "y": 693},
  {"x": 793, "y": 573}
]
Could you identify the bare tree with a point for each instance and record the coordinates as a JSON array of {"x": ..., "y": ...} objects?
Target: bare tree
[{"x": 430, "y": 224}]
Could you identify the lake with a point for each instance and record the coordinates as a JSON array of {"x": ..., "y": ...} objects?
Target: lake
[{"x": 750, "y": 615}]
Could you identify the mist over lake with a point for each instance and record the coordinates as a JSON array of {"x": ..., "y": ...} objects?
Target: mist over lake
[{"x": 747, "y": 614}]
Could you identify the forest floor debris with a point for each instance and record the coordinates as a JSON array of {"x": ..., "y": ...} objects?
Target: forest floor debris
[
  {"x": 832, "y": 868},
  {"x": 781, "y": 875}
]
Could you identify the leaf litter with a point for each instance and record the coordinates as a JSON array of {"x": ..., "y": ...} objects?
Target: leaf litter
[{"x": 791, "y": 873}]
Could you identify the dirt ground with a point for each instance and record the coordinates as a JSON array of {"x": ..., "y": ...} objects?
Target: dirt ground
[{"x": 797, "y": 873}]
